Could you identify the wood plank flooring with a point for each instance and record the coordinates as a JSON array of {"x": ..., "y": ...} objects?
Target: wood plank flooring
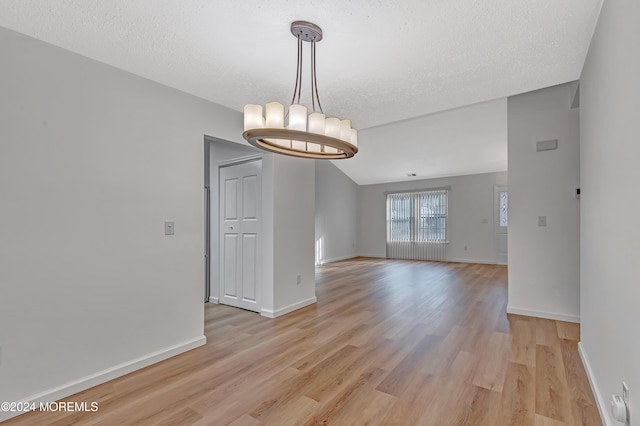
[{"x": 390, "y": 342}]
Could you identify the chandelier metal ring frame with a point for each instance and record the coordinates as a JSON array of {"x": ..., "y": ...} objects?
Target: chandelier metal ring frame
[{"x": 312, "y": 136}]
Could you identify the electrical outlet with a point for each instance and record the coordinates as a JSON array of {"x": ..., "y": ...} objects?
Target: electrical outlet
[
  {"x": 465, "y": 248},
  {"x": 298, "y": 279},
  {"x": 542, "y": 221},
  {"x": 169, "y": 227}
]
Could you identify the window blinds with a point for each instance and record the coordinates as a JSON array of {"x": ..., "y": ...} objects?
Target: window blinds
[{"x": 417, "y": 225}]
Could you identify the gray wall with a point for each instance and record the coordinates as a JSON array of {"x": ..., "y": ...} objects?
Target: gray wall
[
  {"x": 610, "y": 246},
  {"x": 544, "y": 262},
  {"x": 471, "y": 212},
  {"x": 293, "y": 233},
  {"x": 336, "y": 213},
  {"x": 93, "y": 160}
]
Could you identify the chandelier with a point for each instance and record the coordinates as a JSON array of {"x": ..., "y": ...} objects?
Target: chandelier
[{"x": 308, "y": 136}]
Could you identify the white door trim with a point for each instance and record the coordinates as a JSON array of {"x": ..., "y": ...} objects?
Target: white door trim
[{"x": 236, "y": 161}]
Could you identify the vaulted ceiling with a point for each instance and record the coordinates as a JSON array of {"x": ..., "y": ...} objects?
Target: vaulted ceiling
[{"x": 380, "y": 62}]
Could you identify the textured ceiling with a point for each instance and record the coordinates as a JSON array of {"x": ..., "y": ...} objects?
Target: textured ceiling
[{"x": 380, "y": 61}]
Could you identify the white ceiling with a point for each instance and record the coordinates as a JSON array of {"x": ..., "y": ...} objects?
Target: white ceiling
[
  {"x": 380, "y": 61},
  {"x": 462, "y": 141}
]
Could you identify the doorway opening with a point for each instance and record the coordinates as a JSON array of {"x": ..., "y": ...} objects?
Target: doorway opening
[{"x": 218, "y": 156}]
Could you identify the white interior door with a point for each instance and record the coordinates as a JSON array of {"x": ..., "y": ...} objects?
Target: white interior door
[
  {"x": 501, "y": 202},
  {"x": 240, "y": 201}
]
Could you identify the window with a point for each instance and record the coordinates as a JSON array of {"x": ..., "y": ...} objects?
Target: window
[
  {"x": 417, "y": 216},
  {"x": 504, "y": 209}
]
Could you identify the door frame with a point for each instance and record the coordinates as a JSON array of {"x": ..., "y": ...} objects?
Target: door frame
[
  {"x": 207, "y": 243},
  {"x": 259, "y": 261}
]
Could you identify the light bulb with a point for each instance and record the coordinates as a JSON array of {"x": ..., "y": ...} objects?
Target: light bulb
[
  {"x": 345, "y": 130},
  {"x": 253, "y": 117},
  {"x": 275, "y": 115}
]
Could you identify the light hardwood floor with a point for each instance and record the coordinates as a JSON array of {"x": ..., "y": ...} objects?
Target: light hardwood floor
[{"x": 389, "y": 342}]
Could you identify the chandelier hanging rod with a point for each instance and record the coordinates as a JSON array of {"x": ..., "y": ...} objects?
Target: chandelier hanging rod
[{"x": 314, "y": 82}]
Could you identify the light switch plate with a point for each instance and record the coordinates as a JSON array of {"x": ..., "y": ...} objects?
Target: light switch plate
[
  {"x": 169, "y": 227},
  {"x": 542, "y": 221}
]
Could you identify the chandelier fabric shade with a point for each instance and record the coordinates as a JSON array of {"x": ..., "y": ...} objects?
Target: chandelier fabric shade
[{"x": 300, "y": 132}]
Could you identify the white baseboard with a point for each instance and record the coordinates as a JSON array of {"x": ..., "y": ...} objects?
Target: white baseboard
[
  {"x": 600, "y": 402},
  {"x": 213, "y": 299},
  {"x": 542, "y": 314},
  {"x": 103, "y": 376},
  {"x": 282, "y": 311},
  {"x": 483, "y": 262},
  {"x": 336, "y": 259},
  {"x": 375, "y": 256}
]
